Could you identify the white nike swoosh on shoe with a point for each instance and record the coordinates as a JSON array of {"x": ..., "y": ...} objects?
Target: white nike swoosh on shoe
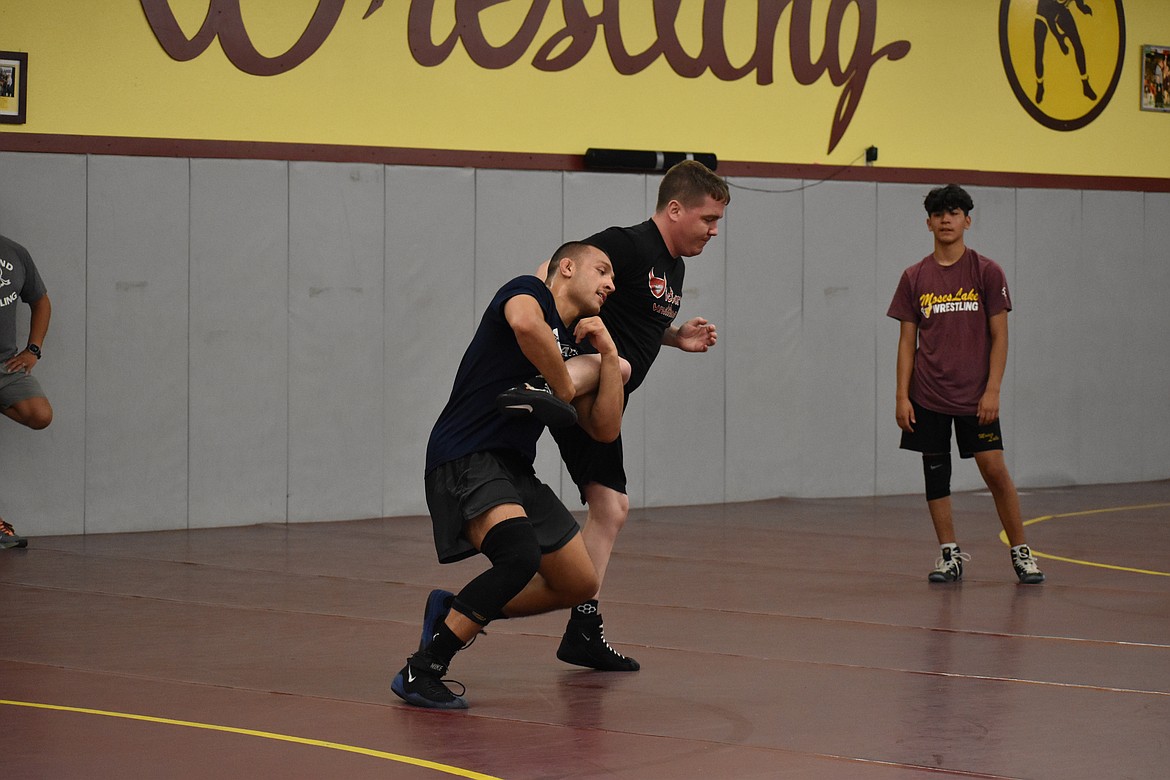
[
  {"x": 409, "y": 674},
  {"x": 525, "y": 407}
]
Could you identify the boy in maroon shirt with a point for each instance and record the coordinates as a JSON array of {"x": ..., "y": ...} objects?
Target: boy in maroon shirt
[{"x": 952, "y": 351}]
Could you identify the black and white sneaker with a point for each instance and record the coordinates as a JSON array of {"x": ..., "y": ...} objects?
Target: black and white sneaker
[
  {"x": 421, "y": 683},
  {"x": 1025, "y": 566},
  {"x": 584, "y": 645},
  {"x": 949, "y": 568},
  {"x": 536, "y": 398}
]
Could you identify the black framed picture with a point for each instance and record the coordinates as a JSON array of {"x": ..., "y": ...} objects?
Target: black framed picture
[
  {"x": 13, "y": 87},
  {"x": 1155, "y": 78}
]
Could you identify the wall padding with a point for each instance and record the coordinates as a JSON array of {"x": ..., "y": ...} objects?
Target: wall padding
[
  {"x": 137, "y": 336},
  {"x": 43, "y": 207},
  {"x": 238, "y": 342},
  {"x": 256, "y": 341},
  {"x": 336, "y": 337}
]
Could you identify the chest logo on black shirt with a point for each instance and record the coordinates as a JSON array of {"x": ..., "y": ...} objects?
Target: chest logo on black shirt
[
  {"x": 568, "y": 350},
  {"x": 657, "y": 284},
  {"x": 661, "y": 290}
]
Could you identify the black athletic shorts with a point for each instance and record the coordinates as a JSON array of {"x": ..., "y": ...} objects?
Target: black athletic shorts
[
  {"x": 462, "y": 489},
  {"x": 932, "y": 433},
  {"x": 590, "y": 460}
]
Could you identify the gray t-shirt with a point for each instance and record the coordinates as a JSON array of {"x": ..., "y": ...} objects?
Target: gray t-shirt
[{"x": 19, "y": 281}]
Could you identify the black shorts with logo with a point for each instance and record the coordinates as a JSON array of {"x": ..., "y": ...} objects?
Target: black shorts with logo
[
  {"x": 932, "y": 433},
  {"x": 465, "y": 488}
]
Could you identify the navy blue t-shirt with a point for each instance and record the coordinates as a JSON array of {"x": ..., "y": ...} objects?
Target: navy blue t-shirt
[{"x": 493, "y": 363}]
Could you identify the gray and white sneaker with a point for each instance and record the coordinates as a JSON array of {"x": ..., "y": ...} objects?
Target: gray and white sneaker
[
  {"x": 1025, "y": 566},
  {"x": 949, "y": 568}
]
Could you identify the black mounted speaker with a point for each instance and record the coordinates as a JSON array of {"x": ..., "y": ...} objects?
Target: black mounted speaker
[{"x": 634, "y": 160}]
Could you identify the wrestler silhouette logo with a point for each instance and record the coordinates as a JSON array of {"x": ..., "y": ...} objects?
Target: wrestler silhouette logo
[
  {"x": 1055, "y": 17},
  {"x": 1055, "y": 51},
  {"x": 657, "y": 284}
]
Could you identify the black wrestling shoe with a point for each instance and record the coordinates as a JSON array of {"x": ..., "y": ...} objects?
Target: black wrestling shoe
[
  {"x": 536, "y": 398},
  {"x": 421, "y": 683},
  {"x": 584, "y": 645}
]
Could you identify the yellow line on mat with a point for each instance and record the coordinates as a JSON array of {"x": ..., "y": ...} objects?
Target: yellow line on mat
[
  {"x": 1003, "y": 538},
  {"x": 450, "y": 770}
]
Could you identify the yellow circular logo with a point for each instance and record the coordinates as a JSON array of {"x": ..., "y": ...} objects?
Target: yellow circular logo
[{"x": 1062, "y": 58}]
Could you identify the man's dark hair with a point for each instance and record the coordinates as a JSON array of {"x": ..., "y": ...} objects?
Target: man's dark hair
[
  {"x": 952, "y": 196},
  {"x": 570, "y": 249}
]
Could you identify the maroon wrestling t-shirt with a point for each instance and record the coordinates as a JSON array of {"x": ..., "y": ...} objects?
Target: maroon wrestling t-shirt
[{"x": 951, "y": 305}]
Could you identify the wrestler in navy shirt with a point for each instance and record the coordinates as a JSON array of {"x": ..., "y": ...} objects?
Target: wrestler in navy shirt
[{"x": 493, "y": 363}]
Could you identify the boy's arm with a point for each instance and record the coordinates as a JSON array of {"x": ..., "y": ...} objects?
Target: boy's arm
[
  {"x": 538, "y": 344},
  {"x": 907, "y": 345},
  {"x": 25, "y": 360},
  {"x": 989, "y": 403},
  {"x": 600, "y": 414},
  {"x": 38, "y": 326}
]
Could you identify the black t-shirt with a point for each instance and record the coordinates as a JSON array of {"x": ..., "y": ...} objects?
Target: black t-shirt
[
  {"x": 648, "y": 284},
  {"x": 493, "y": 363}
]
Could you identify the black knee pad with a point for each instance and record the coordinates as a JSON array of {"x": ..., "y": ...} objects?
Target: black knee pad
[
  {"x": 937, "y": 469},
  {"x": 514, "y": 551}
]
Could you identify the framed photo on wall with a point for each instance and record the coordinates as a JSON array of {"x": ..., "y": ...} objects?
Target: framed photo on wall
[
  {"x": 13, "y": 87},
  {"x": 1155, "y": 78}
]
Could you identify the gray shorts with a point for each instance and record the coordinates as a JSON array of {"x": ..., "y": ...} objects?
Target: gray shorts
[
  {"x": 17, "y": 387},
  {"x": 463, "y": 489}
]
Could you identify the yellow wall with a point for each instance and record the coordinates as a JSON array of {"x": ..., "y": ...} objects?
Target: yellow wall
[{"x": 97, "y": 68}]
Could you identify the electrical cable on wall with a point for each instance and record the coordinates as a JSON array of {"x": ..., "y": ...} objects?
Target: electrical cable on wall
[
  {"x": 869, "y": 154},
  {"x": 648, "y": 161}
]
